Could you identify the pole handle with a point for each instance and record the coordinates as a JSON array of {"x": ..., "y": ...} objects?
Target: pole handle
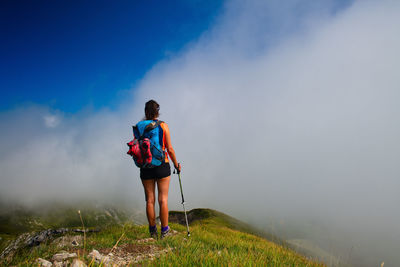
[{"x": 176, "y": 170}]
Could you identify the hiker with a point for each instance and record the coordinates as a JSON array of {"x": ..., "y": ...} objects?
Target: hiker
[{"x": 159, "y": 175}]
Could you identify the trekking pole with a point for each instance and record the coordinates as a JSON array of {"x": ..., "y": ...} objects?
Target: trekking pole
[{"x": 183, "y": 201}]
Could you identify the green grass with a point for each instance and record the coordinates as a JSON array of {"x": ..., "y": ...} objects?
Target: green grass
[
  {"x": 222, "y": 219},
  {"x": 216, "y": 240},
  {"x": 213, "y": 242}
]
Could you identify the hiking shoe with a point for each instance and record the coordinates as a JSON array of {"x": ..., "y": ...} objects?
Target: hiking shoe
[
  {"x": 153, "y": 231},
  {"x": 154, "y": 235},
  {"x": 166, "y": 233}
]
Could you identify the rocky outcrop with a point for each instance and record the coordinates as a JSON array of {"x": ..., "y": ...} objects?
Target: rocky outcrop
[
  {"x": 43, "y": 236},
  {"x": 11, "y": 249},
  {"x": 35, "y": 239}
]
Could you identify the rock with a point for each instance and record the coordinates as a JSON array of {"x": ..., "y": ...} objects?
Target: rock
[
  {"x": 43, "y": 236},
  {"x": 43, "y": 263},
  {"x": 68, "y": 241},
  {"x": 59, "y": 264},
  {"x": 63, "y": 256},
  {"x": 146, "y": 240},
  {"x": 78, "y": 263},
  {"x": 95, "y": 255},
  {"x": 100, "y": 259}
]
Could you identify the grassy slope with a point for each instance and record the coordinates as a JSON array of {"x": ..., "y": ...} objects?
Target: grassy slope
[
  {"x": 216, "y": 240},
  {"x": 220, "y": 240},
  {"x": 222, "y": 218}
]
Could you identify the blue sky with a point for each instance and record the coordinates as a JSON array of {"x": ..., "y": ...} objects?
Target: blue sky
[{"x": 71, "y": 55}]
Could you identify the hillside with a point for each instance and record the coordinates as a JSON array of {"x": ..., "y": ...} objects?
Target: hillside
[{"x": 216, "y": 240}]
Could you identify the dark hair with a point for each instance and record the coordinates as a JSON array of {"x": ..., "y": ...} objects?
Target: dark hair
[{"x": 151, "y": 110}]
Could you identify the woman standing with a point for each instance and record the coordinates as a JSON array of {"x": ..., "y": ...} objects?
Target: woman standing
[{"x": 159, "y": 175}]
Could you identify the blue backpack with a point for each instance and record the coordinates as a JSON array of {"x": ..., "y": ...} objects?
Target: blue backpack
[{"x": 146, "y": 147}]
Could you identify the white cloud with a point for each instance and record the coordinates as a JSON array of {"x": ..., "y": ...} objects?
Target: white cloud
[{"x": 51, "y": 121}]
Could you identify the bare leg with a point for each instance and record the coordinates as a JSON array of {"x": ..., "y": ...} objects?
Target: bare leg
[
  {"x": 149, "y": 190},
  {"x": 163, "y": 187}
]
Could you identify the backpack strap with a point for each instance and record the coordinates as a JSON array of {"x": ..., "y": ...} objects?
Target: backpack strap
[
  {"x": 136, "y": 132},
  {"x": 151, "y": 126},
  {"x": 148, "y": 128}
]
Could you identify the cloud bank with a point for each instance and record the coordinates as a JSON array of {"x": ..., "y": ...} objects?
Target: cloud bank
[{"x": 285, "y": 111}]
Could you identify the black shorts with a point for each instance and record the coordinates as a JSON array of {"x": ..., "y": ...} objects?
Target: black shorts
[{"x": 162, "y": 171}]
